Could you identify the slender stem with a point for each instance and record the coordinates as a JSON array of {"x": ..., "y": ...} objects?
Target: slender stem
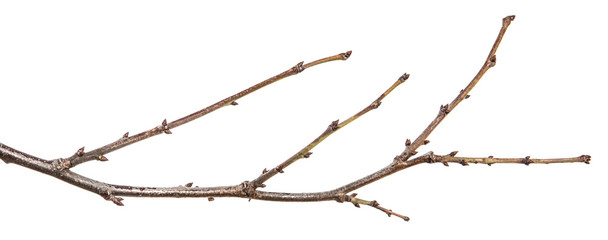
[
  {"x": 98, "y": 154},
  {"x": 411, "y": 147},
  {"x": 333, "y": 127},
  {"x": 445, "y": 159}
]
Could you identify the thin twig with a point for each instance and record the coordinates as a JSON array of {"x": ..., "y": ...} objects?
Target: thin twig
[
  {"x": 411, "y": 147},
  {"x": 333, "y": 127},
  {"x": 99, "y": 154}
]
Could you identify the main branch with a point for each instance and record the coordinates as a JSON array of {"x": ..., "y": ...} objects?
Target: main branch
[{"x": 61, "y": 168}]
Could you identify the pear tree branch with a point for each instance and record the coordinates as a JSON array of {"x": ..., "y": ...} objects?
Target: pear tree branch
[{"x": 62, "y": 168}]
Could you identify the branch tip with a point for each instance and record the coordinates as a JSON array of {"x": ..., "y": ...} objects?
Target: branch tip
[
  {"x": 404, "y": 77},
  {"x": 508, "y": 19},
  {"x": 586, "y": 158},
  {"x": 346, "y": 55}
]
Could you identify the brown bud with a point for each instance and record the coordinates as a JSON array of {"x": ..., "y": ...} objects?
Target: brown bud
[
  {"x": 80, "y": 152},
  {"x": 404, "y": 77},
  {"x": 453, "y": 153},
  {"x": 346, "y": 55},
  {"x": 334, "y": 125},
  {"x": 426, "y": 142},
  {"x": 298, "y": 68},
  {"x": 102, "y": 158},
  {"x": 234, "y": 103},
  {"x": 189, "y": 184},
  {"x": 307, "y": 155},
  {"x": 408, "y": 142}
]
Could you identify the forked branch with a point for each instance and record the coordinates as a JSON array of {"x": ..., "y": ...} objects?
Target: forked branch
[{"x": 61, "y": 168}]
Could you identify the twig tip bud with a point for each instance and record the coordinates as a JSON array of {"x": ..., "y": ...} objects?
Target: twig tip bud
[
  {"x": 404, "y": 77},
  {"x": 586, "y": 158},
  {"x": 346, "y": 55}
]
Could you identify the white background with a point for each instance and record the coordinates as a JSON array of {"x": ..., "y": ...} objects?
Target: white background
[{"x": 79, "y": 73}]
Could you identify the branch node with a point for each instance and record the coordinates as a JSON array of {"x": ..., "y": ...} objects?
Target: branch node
[
  {"x": 63, "y": 164},
  {"x": 298, "y": 68},
  {"x": 110, "y": 197},
  {"x": 102, "y": 158},
  {"x": 376, "y": 104},
  {"x": 464, "y": 162},
  {"x": 527, "y": 161},
  {"x": 80, "y": 152},
  {"x": 334, "y": 125},
  {"x": 165, "y": 127},
  {"x": 492, "y": 61},
  {"x": 444, "y": 109},
  {"x": 346, "y": 55},
  {"x": 248, "y": 189},
  {"x": 280, "y": 168},
  {"x": 430, "y": 157}
]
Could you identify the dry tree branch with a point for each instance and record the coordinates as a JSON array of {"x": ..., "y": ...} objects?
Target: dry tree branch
[{"x": 61, "y": 168}]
